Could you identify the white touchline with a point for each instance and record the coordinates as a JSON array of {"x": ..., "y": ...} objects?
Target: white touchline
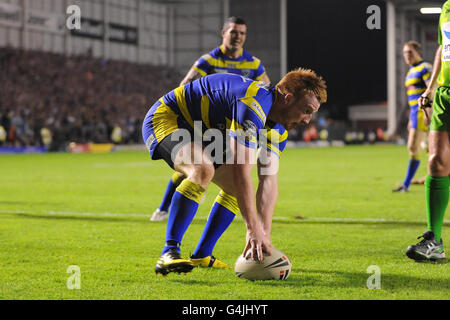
[{"x": 145, "y": 215}]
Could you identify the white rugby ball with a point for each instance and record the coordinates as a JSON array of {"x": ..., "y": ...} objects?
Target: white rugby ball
[{"x": 277, "y": 266}]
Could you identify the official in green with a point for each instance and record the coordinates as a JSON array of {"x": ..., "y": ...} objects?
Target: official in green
[{"x": 437, "y": 180}]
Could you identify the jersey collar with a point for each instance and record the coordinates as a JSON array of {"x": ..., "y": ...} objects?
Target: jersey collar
[{"x": 222, "y": 49}]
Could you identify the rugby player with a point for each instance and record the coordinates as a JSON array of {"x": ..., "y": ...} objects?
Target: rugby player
[
  {"x": 437, "y": 180},
  {"x": 416, "y": 82},
  {"x": 239, "y": 108},
  {"x": 229, "y": 57}
]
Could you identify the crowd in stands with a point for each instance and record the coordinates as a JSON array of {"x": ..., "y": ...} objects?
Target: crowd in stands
[{"x": 51, "y": 99}]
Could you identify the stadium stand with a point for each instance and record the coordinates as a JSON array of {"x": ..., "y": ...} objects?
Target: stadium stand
[{"x": 51, "y": 99}]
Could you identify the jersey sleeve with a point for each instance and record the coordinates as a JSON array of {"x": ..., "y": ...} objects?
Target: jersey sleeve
[
  {"x": 260, "y": 71},
  {"x": 273, "y": 139},
  {"x": 245, "y": 125},
  {"x": 250, "y": 114},
  {"x": 202, "y": 65},
  {"x": 426, "y": 71}
]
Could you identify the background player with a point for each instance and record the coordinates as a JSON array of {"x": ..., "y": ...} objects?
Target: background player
[
  {"x": 416, "y": 82},
  {"x": 229, "y": 57},
  {"x": 244, "y": 107},
  {"x": 437, "y": 181}
]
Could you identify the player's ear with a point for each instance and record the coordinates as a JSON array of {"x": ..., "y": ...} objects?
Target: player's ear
[{"x": 288, "y": 97}]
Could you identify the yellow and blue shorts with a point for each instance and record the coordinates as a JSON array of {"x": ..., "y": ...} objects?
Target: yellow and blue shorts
[
  {"x": 416, "y": 116},
  {"x": 159, "y": 123},
  {"x": 158, "y": 129}
]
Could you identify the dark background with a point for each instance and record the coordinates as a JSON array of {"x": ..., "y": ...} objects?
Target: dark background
[{"x": 331, "y": 37}]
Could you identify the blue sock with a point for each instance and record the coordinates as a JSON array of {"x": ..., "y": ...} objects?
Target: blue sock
[
  {"x": 412, "y": 168},
  {"x": 183, "y": 209},
  {"x": 219, "y": 220},
  {"x": 167, "y": 199},
  {"x": 170, "y": 190}
]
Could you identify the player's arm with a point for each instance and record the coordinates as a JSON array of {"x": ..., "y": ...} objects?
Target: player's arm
[
  {"x": 426, "y": 77},
  {"x": 267, "y": 193},
  {"x": 261, "y": 74},
  {"x": 244, "y": 158},
  {"x": 190, "y": 76},
  {"x": 432, "y": 84}
]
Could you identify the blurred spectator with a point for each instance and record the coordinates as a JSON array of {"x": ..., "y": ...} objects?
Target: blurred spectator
[{"x": 76, "y": 98}]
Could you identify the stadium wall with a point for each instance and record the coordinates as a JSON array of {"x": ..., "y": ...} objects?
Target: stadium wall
[
  {"x": 263, "y": 34},
  {"x": 132, "y": 30},
  {"x": 173, "y": 33}
]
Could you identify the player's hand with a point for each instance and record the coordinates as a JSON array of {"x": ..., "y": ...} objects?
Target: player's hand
[
  {"x": 424, "y": 103},
  {"x": 425, "y": 100},
  {"x": 258, "y": 243}
]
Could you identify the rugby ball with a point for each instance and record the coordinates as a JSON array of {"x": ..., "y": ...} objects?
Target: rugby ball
[{"x": 277, "y": 266}]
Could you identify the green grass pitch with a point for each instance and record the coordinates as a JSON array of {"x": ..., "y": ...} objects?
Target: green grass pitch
[{"x": 92, "y": 210}]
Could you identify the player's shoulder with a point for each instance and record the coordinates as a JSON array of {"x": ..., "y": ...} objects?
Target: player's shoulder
[
  {"x": 213, "y": 54},
  {"x": 426, "y": 65},
  {"x": 250, "y": 58},
  {"x": 216, "y": 53},
  {"x": 204, "y": 58}
]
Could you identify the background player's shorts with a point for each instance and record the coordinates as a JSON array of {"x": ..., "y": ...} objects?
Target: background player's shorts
[
  {"x": 416, "y": 116},
  {"x": 440, "y": 120}
]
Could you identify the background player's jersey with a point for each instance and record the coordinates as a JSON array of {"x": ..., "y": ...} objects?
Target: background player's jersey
[
  {"x": 416, "y": 82},
  {"x": 444, "y": 41},
  {"x": 217, "y": 62},
  {"x": 231, "y": 103}
]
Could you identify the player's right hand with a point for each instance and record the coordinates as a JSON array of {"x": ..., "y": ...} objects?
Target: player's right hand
[
  {"x": 258, "y": 242},
  {"x": 424, "y": 103},
  {"x": 425, "y": 100}
]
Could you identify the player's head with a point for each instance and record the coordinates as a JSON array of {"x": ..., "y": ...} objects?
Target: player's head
[
  {"x": 234, "y": 32},
  {"x": 412, "y": 52},
  {"x": 302, "y": 91}
]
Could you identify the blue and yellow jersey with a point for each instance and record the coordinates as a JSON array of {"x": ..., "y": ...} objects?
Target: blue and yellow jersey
[
  {"x": 275, "y": 135},
  {"x": 236, "y": 105},
  {"x": 217, "y": 62},
  {"x": 415, "y": 82}
]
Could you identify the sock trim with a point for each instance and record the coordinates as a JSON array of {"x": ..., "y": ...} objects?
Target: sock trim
[
  {"x": 227, "y": 201},
  {"x": 191, "y": 190}
]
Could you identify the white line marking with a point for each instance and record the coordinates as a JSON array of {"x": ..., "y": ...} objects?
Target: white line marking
[{"x": 146, "y": 215}]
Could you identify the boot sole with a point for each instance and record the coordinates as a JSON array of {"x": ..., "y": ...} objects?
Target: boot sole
[{"x": 178, "y": 267}]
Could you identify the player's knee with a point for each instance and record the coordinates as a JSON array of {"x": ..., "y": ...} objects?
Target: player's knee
[
  {"x": 204, "y": 173},
  {"x": 437, "y": 164},
  {"x": 413, "y": 148},
  {"x": 413, "y": 151}
]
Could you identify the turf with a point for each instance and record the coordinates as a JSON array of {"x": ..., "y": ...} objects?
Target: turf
[{"x": 91, "y": 211}]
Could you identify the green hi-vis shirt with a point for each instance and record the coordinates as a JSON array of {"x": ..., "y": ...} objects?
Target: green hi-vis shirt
[{"x": 444, "y": 41}]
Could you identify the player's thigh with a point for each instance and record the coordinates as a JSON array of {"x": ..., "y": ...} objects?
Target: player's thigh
[
  {"x": 194, "y": 163},
  {"x": 224, "y": 179},
  {"x": 439, "y": 156}
]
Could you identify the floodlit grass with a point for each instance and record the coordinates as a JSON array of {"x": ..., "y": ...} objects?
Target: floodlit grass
[{"x": 91, "y": 211}]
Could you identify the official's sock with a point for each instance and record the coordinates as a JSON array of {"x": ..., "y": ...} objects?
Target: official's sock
[
  {"x": 412, "y": 168},
  {"x": 436, "y": 196},
  {"x": 183, "y": 209},
  {"x": 222, "y": 214},
  {"x": 174, "y": 182}
]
